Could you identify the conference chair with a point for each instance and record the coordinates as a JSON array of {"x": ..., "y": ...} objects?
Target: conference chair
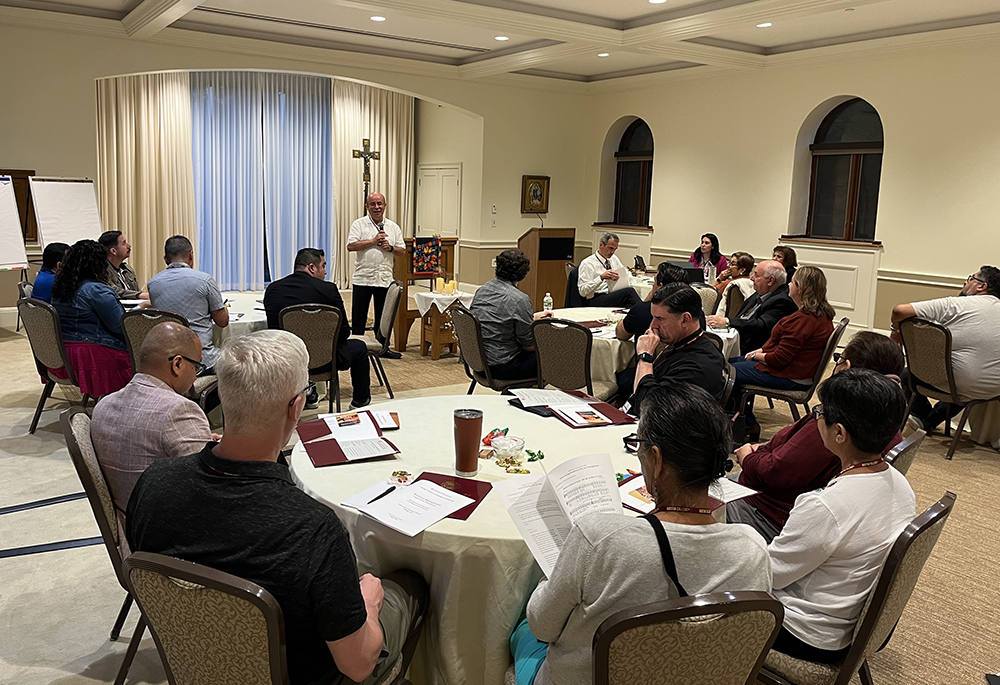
[
  {"x": 901, "y": 456},
  {"x": 573, "y": 297},
  {"x": 469, "y": 332},
  {"x": 729, "y": 373},
  {"x": 564, "y": 349},
  {"x": 41, "y": 323},
  {"x": 213, "y": 627},
  {"x": 136, "y": 325},
  {"x": 718, "y": 639},
  {"x": 75, "y": 423},
  {"x": 928, "y": 358},
  {"x": 24, "y": 289},
  {"x": 734, "y": 302},
  {"x": 897, "y": 578},
  {"x": 376, "y": 348},
  {"x": 796, "y": 397},
  {"x": 569, "y": 266},
  {"x": 318, "y": 325},
  {"x": 709, "y": 297}
]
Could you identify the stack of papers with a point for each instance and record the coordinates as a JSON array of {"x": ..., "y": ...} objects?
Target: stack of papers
[
  {"x": 410, "y": 509},
  {"x": 580, "y": 414},
  {"x": 541, "y": 398}
]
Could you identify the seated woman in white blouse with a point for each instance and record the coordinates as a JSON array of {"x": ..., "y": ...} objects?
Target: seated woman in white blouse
[
  {"x": 612, "y": 562},
  {"x": 827, "y": 558}
]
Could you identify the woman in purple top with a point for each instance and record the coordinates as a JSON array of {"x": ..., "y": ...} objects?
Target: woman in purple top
[{"x": 708, "y": 253}]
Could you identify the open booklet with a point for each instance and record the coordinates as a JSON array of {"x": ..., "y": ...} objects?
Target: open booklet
[
  {"x": 622, "y": 281},
  {"x": 636, "y": 497},
  {"x": 339, "y": 438},
  {"x": 544, "y": 507},
  {"x": 574, "y": 408},
  {"x": 410, "y": 509}
]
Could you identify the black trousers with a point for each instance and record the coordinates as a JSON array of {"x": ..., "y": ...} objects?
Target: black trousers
[
  {"x": 521, "y": 367},
  {"x": 786, "y": 643},
  {"x": 625, "y": 298},
  {"x": 357, "y": 362},
  {"x": 360, "y": 297}
]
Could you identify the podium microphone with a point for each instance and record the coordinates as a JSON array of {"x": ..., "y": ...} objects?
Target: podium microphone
[{"x": 540, "y": 219}]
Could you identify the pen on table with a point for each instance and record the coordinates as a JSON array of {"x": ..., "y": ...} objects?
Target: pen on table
[{"x": 391, "y": 488}]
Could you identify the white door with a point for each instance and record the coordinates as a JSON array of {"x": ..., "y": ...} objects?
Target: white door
[{"x": 439, "y": 199}]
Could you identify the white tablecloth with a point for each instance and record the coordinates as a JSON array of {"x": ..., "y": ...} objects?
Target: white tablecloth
[
  {"x": 424, "y": 301},
  {"x": 984, "y": 423},
  {"x": 253, "y": 319},
  {"x": 730, "y": 341},
  {"x": 609, "y": 354},
  {"x": 642, "y": 285},
  {"x": 480, "y": 570}
]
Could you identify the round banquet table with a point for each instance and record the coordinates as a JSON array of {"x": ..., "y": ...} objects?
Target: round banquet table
[
  {"x": 608, "y": 355},
  {"x": 643, "y": 285},
  {"x": 253, "y": 319},
  {"x": 480, "y": 571}
]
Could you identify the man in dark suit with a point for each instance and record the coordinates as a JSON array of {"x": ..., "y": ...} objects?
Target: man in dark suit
[
  {"x": 308, "y": 285},
  {"x": 768, "y": 305}
]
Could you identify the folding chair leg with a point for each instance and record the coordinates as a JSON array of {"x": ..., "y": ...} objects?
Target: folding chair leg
[
  {"x": 472, "y": 386},
  {"x": 958, "y": 432},
  {"x": 133, "y": 646},
  {"x": 116, "y": 629},
  {"x": 909, "y": 408},
  {"x": 337, "y": 391},
  {"x": 795, "y": 410},
  {"x": 865, "y": 674},
  {"x": 770, "y": 403},
  {"x": 385, "y": 378},
  {"x": 46, "y": 391},
  {"x": 377, "y": 368}
]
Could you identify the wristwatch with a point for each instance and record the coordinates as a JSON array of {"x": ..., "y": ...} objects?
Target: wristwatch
[{"x": 645, "y": 357}]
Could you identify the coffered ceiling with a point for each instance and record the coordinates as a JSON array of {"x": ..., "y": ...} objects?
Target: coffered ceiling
[{"x": 571, "y": 40}]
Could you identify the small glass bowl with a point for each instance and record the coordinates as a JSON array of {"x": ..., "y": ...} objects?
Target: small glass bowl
[{"x": 507, "y": 446}]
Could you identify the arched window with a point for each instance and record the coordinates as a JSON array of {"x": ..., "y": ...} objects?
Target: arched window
[
  {"x": 846, "y": 166},
  {"x": 635, "y": 169}
]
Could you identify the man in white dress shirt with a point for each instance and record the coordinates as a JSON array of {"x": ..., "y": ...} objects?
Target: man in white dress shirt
[
  {"x": 377, "y": 241},
  {"x": 599, "y": 272}
]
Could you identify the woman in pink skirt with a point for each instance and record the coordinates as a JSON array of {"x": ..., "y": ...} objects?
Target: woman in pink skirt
[{"x": 90, "y": 318}]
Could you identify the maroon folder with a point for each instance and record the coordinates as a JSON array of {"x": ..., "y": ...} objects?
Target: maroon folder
[
  {"x": 476, "y": 489},
  {"x": 329, "y": 452},
  {"x": 616, "y": 416}
]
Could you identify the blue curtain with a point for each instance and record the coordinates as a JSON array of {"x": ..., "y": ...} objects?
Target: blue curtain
[{"x": 261, "y": 144}]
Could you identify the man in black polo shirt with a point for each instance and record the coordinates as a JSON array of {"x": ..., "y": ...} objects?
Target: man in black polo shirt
[
  {"x": 689, "y": 357},
  {"x": 232, "y": 507},
  {"x": 307, "y": 284}
]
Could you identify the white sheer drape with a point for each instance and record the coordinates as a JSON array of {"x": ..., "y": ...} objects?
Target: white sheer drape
[
  {"x": 145, "y": 175},
  {"x": 386, "y": 118}
]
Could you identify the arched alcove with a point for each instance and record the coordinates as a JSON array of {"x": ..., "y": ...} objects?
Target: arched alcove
[{"x": 609, "y": 167}]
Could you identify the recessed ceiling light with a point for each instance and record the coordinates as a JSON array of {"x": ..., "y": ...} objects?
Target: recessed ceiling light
[
  {"x": 765, "y": 25},
  {"x": 378, "y": 18},
  {"x": 603, "y": 54},
  {"x": 657, "y": 2},
  {"x": 501, "y": 38}
]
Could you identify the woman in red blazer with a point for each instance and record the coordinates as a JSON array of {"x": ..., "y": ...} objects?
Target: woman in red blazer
[{"x": 788, "y": 360}]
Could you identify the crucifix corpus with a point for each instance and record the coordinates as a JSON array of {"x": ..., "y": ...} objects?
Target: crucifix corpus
[{"x": 367, "y": 154}]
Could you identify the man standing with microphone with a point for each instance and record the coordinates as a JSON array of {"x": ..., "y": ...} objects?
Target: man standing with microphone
[{"x": 377, "y": 241}]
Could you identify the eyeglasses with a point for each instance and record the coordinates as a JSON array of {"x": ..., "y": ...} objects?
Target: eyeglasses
[
  {"x": 974, "y": 277},
  {"x": 301, "y": 392},
  {"x": 838, "y": 359},
  {"x": 632, "y": 443},
  {"x": 817, "y": 411},
  {"x": 199, "y": 368}
]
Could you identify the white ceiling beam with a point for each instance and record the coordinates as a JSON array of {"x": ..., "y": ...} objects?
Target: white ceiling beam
[
  {"x": 527, "y": 59},
  {"x": 706, "y": 23},
  {"x": 706, "y": 54},
  {"x": 495, "y": 19},
  {"x": 152, "y": 16}
]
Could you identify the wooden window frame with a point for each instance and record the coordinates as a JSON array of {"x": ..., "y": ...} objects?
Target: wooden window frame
[{"x": 645, "y": 178}]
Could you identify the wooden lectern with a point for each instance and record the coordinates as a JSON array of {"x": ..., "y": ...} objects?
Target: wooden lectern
[
  {"x": 548, "y": 249},
  {"x": 402, "y": 269}
]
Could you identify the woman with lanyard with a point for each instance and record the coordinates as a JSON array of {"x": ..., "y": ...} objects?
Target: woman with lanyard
[
  {"x": 612, "y": 562},
  {"x": 828, "y": 556}
]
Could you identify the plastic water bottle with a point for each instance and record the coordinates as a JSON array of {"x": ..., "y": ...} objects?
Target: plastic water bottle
[
  {"x": 710, "y": 273},
  {"x": 547, "y": 302}
]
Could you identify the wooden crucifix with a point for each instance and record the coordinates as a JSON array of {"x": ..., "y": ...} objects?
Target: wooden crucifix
[{"x": 367, "y": 154}]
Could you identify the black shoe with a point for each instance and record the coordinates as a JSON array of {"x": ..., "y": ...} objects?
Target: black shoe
[
  {"x": 391, "y": 354},
  {"x": 357, "y": 405},
  {"x": 312, "y": 397}
]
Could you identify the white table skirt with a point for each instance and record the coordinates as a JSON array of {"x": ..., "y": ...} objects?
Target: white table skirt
[
  {"x": 252, "y": 319},
  {"x": 480, "y": 571},
  {"x": 984, "y": 423},
  {"x": 424, "y": 301},
  {"x": 642, "y": 285},
  {"x": 608, "y": 355},
  {"x": 730, "y": 341}
]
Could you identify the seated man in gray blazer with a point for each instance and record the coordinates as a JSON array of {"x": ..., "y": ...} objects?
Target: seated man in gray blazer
[{"x": 150, "y": 418}]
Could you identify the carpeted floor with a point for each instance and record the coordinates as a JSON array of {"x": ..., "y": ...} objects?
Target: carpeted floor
[{"x": 56, "y": 608}]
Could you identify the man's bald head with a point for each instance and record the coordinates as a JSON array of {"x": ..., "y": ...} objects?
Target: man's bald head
[{"x": 160, "y": 350}]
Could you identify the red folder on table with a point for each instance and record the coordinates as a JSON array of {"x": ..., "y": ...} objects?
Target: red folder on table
[
  {"x": 327, "y": 452},
  {"x": 616, "y": 416},
  {"x": 476, "y": 489}
]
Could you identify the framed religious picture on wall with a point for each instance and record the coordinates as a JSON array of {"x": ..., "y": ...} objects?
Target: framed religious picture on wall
[{"x": 534, "y": 194}]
